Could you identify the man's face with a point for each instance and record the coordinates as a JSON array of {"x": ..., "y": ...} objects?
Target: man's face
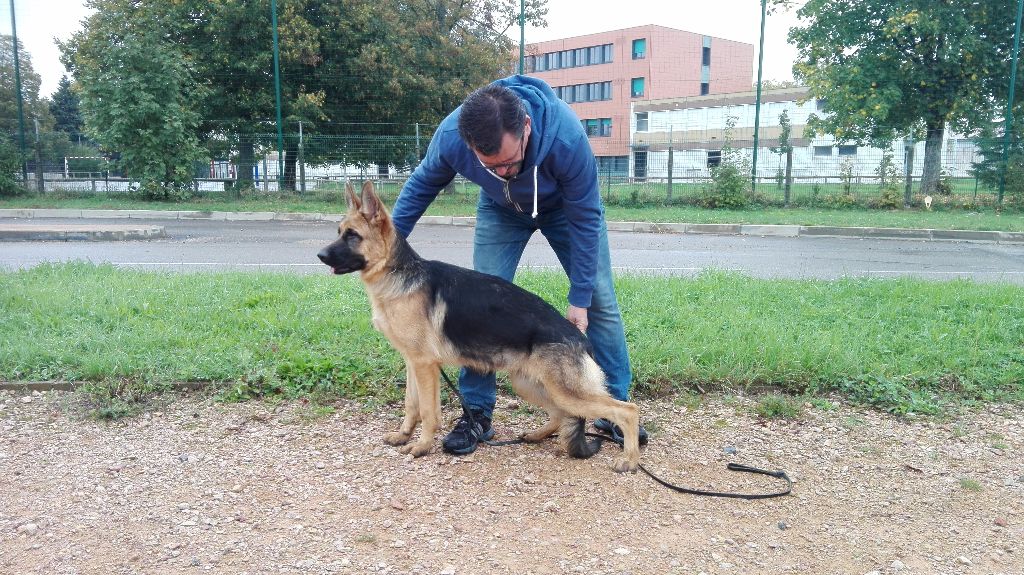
[{"x": 508, "y": 161}]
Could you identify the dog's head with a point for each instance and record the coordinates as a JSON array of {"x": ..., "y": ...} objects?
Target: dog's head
[{"x": 365, "y": 234}]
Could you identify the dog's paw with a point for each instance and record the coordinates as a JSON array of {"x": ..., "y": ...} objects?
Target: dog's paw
[
  {"x": 624, "y": 465},
  {"x": 534, "y": 437},
  {"x": 397, "y": 438},
  {"x": 416, "y": 449}
]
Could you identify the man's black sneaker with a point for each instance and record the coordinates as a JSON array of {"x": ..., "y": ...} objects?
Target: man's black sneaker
[
  {"x": 608, "y": 427},
  {"x": 463, "y": 439}
]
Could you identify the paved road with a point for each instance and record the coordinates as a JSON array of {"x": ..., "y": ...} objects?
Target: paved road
[{"x": 285, "y": 246}]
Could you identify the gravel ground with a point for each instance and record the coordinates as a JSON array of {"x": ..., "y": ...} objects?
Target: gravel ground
[{"x": 196, "y": 486}]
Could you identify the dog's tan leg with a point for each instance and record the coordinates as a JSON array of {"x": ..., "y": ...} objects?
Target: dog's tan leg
[
  {"x": 555, "y": 418},
  {"x": 428, "y": 394},
  {"x": 412, "y": 412},
  {"x": 533, "y": 392},
  {"x": 627, "y": 417}
]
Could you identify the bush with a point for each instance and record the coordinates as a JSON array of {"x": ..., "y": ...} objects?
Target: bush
[
  {"x": 730, "y": 181},
  {"x": 9, "y": 166},
  {"x": 729, "y": 187}
]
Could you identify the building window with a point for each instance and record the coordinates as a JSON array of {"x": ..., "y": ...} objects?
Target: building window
[
  {"x": 552, "y": 60},
  {"x": 820, "y": 104},
  {"x": 596, "y": 55},
  {"x": 705, "y": 88},
  {"x": 640, "y": 49},
  {"x": 637, "y": 90},
  {"x": 641, "y": 121},
  {"x": 584, "y": 92},
  {"x": 822, "y": 150},
  {"x": 613, "y": 165},
  {"x": 592, "y": 127},
  {"x": 608, "y": 53},
  {"x": 705, "y": 56},
  {"x": 581, "y": 57},
  {"x": 606, "y": 127},
  {"x": 538, "y": 63},
  {"x": 847, "y": 150},
  {"x": 566, "y": 56},
  {"x": 714, "y": 158}
]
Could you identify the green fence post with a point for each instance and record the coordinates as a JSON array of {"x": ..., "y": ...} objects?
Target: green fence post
[{"x": 1009, "y": 103}]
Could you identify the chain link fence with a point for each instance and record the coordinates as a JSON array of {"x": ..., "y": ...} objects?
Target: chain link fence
[{"x": 816, "y": 171}]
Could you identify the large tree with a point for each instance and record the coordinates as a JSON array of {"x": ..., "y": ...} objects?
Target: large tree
[
  {"x": 138, "y": 94},
  {"x": 41, "y": 144},
  {"x": 347, "y": 67},
  {"x": 398, "y": 64},
  {"x": 903, "y": 68},
  {"x": 64, "y": 106}
]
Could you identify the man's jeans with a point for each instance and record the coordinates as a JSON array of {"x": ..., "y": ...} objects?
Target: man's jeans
[{"x": 500, "y": 238}]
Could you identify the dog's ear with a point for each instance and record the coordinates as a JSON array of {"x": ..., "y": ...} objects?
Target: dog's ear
[
  {"x": 371, "y": 205},
  {"x": 350, "y": 197}
]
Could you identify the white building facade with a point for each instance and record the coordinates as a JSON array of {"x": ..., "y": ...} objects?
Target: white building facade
[{"x": 692, "y": 131}]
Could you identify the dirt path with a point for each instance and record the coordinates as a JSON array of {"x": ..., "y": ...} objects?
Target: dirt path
[{"x": 202, "y": 487}]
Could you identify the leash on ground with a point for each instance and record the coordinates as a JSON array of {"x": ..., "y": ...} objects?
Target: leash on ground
[{"x": 738, "y": 467}]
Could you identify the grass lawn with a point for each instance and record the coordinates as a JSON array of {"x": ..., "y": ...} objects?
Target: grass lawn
[{"x": 901, "y": 345}]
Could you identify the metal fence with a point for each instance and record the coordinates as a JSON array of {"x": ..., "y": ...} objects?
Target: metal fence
[{"x": 317, "y": 166}]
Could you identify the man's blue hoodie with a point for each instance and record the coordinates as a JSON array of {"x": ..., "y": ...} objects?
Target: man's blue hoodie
[{"x": 558, "y": 171}]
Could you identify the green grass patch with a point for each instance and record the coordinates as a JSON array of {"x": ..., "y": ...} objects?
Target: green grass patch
[
  {"x": 901, "y": 345},
  {"x": 776, "y": 406},
  {"x": 968, "y": 484}
]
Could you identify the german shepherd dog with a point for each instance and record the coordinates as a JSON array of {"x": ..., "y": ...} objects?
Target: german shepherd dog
[{"x": 437, "y": 314}]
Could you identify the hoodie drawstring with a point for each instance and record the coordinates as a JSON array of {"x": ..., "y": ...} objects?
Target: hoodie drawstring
[{"x": 535, "y": 192}]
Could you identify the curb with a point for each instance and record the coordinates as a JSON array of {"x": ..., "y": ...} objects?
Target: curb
[
  {"x": 789, "y": 231},
  {"x": 78, "y": 232}
]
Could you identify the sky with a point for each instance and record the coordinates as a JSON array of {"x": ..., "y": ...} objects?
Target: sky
[{"x": 40, "y": 22}]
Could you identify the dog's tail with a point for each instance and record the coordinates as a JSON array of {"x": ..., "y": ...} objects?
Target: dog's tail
[{"x": 574, "y": 438}]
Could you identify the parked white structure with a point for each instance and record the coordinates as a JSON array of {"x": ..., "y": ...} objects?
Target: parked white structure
[{"x": 694, "y": 129}]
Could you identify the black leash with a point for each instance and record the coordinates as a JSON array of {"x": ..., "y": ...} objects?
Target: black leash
[{"x": 738, "y": 467}]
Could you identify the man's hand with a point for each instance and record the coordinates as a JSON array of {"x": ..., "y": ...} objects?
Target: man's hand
[{"x": 578, "y": 317}]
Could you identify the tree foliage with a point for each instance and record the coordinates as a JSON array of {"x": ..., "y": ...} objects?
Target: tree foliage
[
  {"x": 990, "y": 169},
  {"x": 64, "y": 107},
  {"x": 344, "y": 66},
  {"x": 30, "y": 82},
  {"x": 138, "y": 96},
  {"x": 36, "y": 110},
  {"x": 892, "y": 68}
]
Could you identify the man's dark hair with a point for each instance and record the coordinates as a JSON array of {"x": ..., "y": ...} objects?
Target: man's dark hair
[{"x": 487, "y": 115}]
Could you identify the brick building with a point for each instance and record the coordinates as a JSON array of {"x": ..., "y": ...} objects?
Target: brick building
[{"x": 602, "y": 75}]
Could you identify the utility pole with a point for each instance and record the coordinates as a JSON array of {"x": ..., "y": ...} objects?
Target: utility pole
[
  {"x": 522, "y": 35},
  {"x": 21, "y": 111},
  {"x": 1009, "y": 103},
  {"x": 277, "y": 96},
  {"x": 757, "y": 104}
]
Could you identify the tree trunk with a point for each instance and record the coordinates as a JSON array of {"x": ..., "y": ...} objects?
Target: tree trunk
[
  {"x": 932, "y": 159},
  {"x": 246, "y": 160},
  {"x": 288, "y": 182}
]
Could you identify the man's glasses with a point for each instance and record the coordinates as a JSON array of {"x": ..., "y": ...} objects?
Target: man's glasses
[{"x": 507, "y": 165}]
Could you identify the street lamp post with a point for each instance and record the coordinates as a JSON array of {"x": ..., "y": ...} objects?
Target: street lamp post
[
  {"x": 757, "y": 104},
  {"x": 21, "y": 112},
  {"x": 1009, "y": 103}
]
